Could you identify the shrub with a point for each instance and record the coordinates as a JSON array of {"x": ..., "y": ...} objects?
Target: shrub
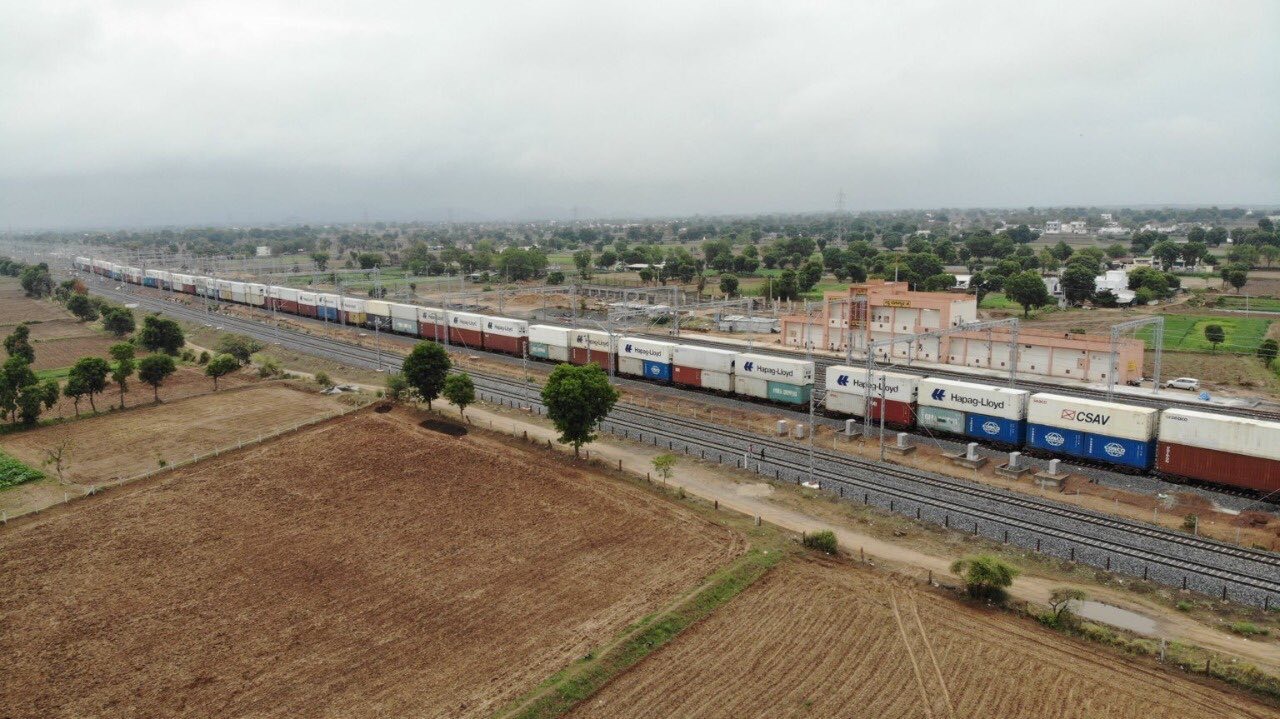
[
  {"x": 824, "y": 541},
  {"x": 204, "y": 357},
  {"x": 985, "y": 576},
  {"x": 269, "y": 368},
  {"x": 188, "y": 355},
  {"x": 13, "y": 472},
  {"x": 1249, "y": 629},
  {"x": 323, "y": 380},
  {"x": 1185, "y": 606}
]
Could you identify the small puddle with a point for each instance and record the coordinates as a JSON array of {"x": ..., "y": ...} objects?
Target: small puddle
[{"x": 1115, "y": 616}]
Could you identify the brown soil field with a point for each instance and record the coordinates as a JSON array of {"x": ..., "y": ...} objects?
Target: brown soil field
[
  {"x": 16, "y": 307},
  {"x": 63, "y": 329},
  {"x": 55, "y": 353},
  {"x": 821, "y": 638},
  {"x": 363, "y": 568},
  {"x": 125, "y": 444}
]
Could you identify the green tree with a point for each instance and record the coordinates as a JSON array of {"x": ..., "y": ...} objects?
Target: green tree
[
  {"x": 122, "y": 353},
  {"x": 16, "y": 378},
  {"x": 940, "y": 282},
  {"x": 729, "y": 285},
  {"x": 1078, "y": 284},
  {"x": 426, "y": 369},
  {"x": 90, "y": 373},
  {"x": 578, "y": 398},
  {"x": 397, "y": 386},
  {"x": 1167, "y": 252},
  {"x": 664, "y": 465},
  {"x": 1060, "y": 600},
  {"x": 241, "y": 347},
  {"x": 582, "y": 260},
  {"x": 1267, "y": 351},
  {"x": 220, "y": 366},
  {"x": 18, "y": 343},
  {"x": 155, "y": 369},
  {"x": 368, "y": 260},
  {"x": 80, "y": 306},
  {"x": 321, "y": 259},
  {"x": 1236, "y": 275},
  {"x": 809, "y": 275},
  {"x": 1062, "y": 251},
  {"x": 555, "y": 278},
  {"x": 161, "y": 335},
  {"x": 118, "y": 320},
  {"x": 985, "y": 576},
  {"x": 460, "y": 390},
  {"x": 75, "y": 389},
  {"x": 1028, "y": 290},
  {"x": 1116, "y": 250},
  {"x": 1215, "y": 335},
  {"x": 36, "y": 281}
]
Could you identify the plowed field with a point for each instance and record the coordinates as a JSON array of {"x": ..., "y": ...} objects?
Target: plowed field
[
  {"x": 55, "y": 353},
  {"x": 363, "y": 568},
  {"x": 814, "y": 639}
]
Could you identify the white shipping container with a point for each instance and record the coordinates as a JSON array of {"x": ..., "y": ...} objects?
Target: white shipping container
[
  {"x": 722, "y": 381},
  {"x": 153, "y": 274},
  {"x": 1001, "y": 402},
  {"x": 222, "y": 286},
  {"x": 327, "y": 300},
  {"x": 377, "y": 308},
  {"x": 1096, "y": 417},
  {"x": 307, "y": 298},
  {"x": 854, "y": 404},
  {"x": 403, "y": 312},
  {"x": 751, "y": 386},
  {"x": 595, "y": 340},
  {"x": 467, "y": 321},
  {"x": 1224, "y": 433},
  {"x": 646, "y": 350},
  {"x": 549, "y": 335},
  {"x": 352, "y": 304},
  {"x": 631, "y": 366},
  {"x": 431, "y": 315},
  {"x": 775, "y": 369},
  {"x": 704, "y": 358},
  {"x": 287, "y": 294},
  {"x": 504, "y": 327},
  {"x": 895, "y": 386}
]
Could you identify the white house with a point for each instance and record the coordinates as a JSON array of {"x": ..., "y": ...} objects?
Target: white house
[{"x": 1052, "y": 227}]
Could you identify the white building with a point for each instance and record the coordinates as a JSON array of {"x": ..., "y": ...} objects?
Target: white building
[
  {"x": 264, "y": 251},
  {"x": 1076, "y": 227},
  {"x": 1052, "y": 227}
]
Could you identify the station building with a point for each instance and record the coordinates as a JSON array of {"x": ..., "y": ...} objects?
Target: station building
[{"x": 880, "y": 310}]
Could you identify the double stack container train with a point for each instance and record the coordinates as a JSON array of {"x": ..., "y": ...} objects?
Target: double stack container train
[{"x": 1226, "y": 451}]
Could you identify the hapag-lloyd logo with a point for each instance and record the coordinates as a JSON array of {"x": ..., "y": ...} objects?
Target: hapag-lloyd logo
[
  {"x": 642, "y": 351},
  {"x": 753, "y": 367}
]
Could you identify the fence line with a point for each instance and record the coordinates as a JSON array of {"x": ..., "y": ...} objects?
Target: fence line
[{"x": 240, "y": 444}]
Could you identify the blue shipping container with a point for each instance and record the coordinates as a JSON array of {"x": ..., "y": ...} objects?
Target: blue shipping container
[
  {"x": 539, "y": 349},
  {"x": 329, "y": 313},
  {"x": 148, "y": 282},
  {"x": 1101, "y": 448},
  {"x": 657, "y": 370},
  {"x": 995, "y": 429}
]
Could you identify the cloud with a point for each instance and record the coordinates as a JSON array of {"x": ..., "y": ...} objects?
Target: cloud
[{"x": 182, "y": 112}]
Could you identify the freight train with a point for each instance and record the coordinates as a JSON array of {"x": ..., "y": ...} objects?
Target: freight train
[{"x": 1231, "y": 452}]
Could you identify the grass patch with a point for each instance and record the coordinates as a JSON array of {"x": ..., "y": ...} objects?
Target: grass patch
[
  {"x": 1262, "y": 304},
  {"x": 1186, "y": 333},
  {"x": 13, "y": 472},
  {"x": 997, "y": 301},
  {"x": 57, "y": 373},
  {"x": 557, "y": 695}
]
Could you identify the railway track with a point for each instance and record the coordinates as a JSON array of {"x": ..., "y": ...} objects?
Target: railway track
[{"x": 1164, "y": 556}]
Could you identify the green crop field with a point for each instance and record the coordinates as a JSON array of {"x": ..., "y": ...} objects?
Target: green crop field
[
  {"x": 1186, "y": 332},
  {"x": 1261, "y": 304}
]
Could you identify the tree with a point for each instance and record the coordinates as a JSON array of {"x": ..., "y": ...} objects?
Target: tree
[
  {"x": 75, "y": 389},
  {"x": 1236, "y": 275},
  {"x": 940, "y": 282},
  {"x": 1062, "y": 250},
  {"x": 18, "y": 343},
  {"x": 1215, "y": 335},
  {"x": 1078, "y": 284},
  {"x": 241, "y": 347},
  {"x": 1216, "y": 236},
  {"x": 729, "y": 285},
  {"x": 90, "y": 373},
  {"x": 425, "y": 369},
  {"x": 36, "y": 281},
  {"x": 607, "y": 259},
  {"x": 1060, "y": 600},
  {"x": 582, "y": 260},
  {"x": 1268, "y": 350},
  {"x": 783, "y": 287},
  {"x": 368, "y": 260},
  {"x": 80, "y": 306},
  {"x": 397, "y": 386},
  {"x": 58, "y": 456},
  {"x": 985, "y": 576},
  {"x": 155, "y": 369},
  {"x": 321, "y": 259},
  {"x": 460, "y": 390},
  {"x": 16, "y": 379},
  {"x": 1116, "y": 250},
  {"x": 122, "y": 353},
  {"x": 555, "y": 278},
  {"x": 161, "y": 335},
  {"x": 118, "y": 320},
  {"x": 664, "y": 465},
  {"x": 220, "y": 366},
  {"x": 809, "y": 275},
  {"x": 578, "y": 398},
  {"x": 1028, "y": 290}
]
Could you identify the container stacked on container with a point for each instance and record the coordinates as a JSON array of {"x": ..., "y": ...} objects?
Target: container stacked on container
[
  {"x": 893, "y": 394},
  {"x": 593, "y": 346},
  {"x": 352, "y": 311},
  {"x": 328, "y": 306},
  {"x": 404, "y": 318},
  {"x": 432, "y": 324},
  {"x": 506, "y": 335},
  {"x": 996, "y": 414},
  {"x": 1235, "y": 451},
  {"x": 377, "y": 315},
  {"x": 466, "y": 329},
  {"x": 222, "y": 290},
  {"x": 307, "y": 304},
  {"x": 549, "y": 342},
  {"x": 285, "y": 299},
  {"x": 779, "y": 379},
  {"x": 240, "y": 292},
  {"x": 257, "y": 294},
  {"x": 703, "y": 367},
  {"x": 642, "y": 357},
  {"x": 1103, "y": 431}
]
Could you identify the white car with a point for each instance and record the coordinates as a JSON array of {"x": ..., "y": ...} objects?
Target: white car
[{"x": 1187, "y": 383}]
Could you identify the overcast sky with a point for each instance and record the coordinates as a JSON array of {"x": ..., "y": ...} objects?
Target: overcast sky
[{"x": 117, "y": 113}]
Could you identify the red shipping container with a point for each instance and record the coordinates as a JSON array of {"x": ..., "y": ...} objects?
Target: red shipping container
[
  {"x": 306, "y": 310},
  {"x": 578, "y": 355},
  {"x": 466, "y": 338},
  {"x": 288, "y": 306},
  {"x": 902, "y": 414},
  {"x": 686, "y": 375},
  {"x": 502, "y": 343},
  {"x": 431, "y": 331},
  {"x": 1212, "y": 465}
]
